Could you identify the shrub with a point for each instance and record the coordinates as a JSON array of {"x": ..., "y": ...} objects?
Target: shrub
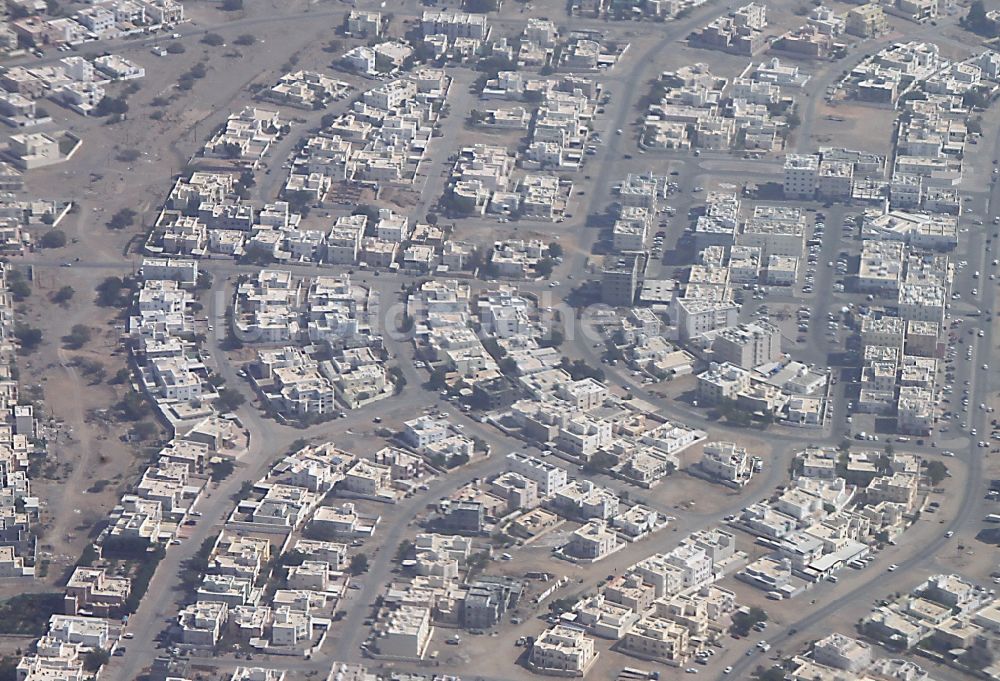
[{"x": 54, "y": 238}]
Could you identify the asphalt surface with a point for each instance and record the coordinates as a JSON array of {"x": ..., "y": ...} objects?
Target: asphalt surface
[{"x": 269, "y": 439}]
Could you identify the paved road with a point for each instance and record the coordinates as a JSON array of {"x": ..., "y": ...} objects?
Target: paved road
[
  {"x": 966, "y": 521},
  {"x": 270, "y": 439}
]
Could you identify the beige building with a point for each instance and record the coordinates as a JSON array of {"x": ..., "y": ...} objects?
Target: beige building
[
  {"x": 564, "y": 651},
  {"x": 867, "y": 21},
  {"x": 659, "y": 639}
]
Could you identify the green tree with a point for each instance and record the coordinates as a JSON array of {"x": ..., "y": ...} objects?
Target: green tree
[
  {"x": 222, "y": 469},
  {"x": 112, "y": 105},
  {"x": 230, "y": 399},
  {"x": 545, "y": 266},
  {"x": 122, "y": 219},
  {"x": 772, "y": 674},
  {"x": 108, "y": 291},
  {"x": 977, "y": 21},
  {"x": 213, "y": 39},
  {"x": 246, "y": 39},
  {"x": 176, "y": 48},
  {"x": 481, "y": 6},
  {"x": 298, "y": 202},
  {"x": 437, "y": 379},
  {"x": 403, "y": 550},
  {"x": 132, "y": 407},
  {"x": 128, "y": 155},
  {"x": 555, "y": 250},
  {"x": 18, "y": 285},
  {"x": 359, "y": 564},
  {"x": 232, "y": 5},
  {"x": 63, "y": 295},
  {"x": 77, "y": 337},
  {"x": 742, "y": 622},
  {"x": 95, "y": 659},
  {"x": 144, "y": 430},
  {"x": 555, "y": 338},
  {"x": 936, "y": 472},
  {"x": 54, "y": 238},
  {"x": 28, "y": 336}
]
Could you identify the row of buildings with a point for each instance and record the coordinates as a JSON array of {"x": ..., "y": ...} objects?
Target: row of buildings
[
  {"x": 75, "y": 82},
  {"x": 664, "y": 608},
  {"x": 283, "y": 530},
  {"x": 98, "y": 21},
  {"x": 694, "y": 108},
  {"x": 838, "y": 508}
]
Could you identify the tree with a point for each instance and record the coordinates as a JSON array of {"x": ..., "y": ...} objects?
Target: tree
[
  {"x": 772, "y": 674},
  {"x": 213, "y": 39},
  {"x": 936, "y": 472},
  {"x": 112, "y": 105},
  {"x": 555, "y": 250},
  {"x": 544, "y": 267},
  {"x": 437, "y": 379},
  {"x": 404, "y": 549},
  {"x": 560, "y": 605},
  {"x": 481, "y": 6},
  {"x": 977, "y": 21},
  {"x": 122, "y": 219},
  {"x": 508, "y": 365},
  {"x": 298, "y": 202},
  {"x": 976, "y": 98},
  {"x": 555, "y": 338},
  {"x": 204, "y": 281},
  {"x": 232, "y": 5},
  {"x": 132, "y": 407},
  {"x": 359, "y": 564},
  {"x": 144, "y": 430},
  {"x": 176, "y": 48},
  {"x": 222, "y": 469},
  {"x": 78, "y": 336},
  {"x": 245, "y": 39},
  {"x": 230, "y": 399},
  {"x": 198, "y": 71},
  {"x": 601, "y": 462},
  {"x": 63, "y": 295},
  {"x": 95, "y": 659},
  {"x": 128, "y": 155},
  {"x": 28, "y": 336},
  {"x": 54, "y": 238},
  {"x": 18, "y": 285},
  {"x": 742, "y": 622},
  {"x": 108, "y": 291}
]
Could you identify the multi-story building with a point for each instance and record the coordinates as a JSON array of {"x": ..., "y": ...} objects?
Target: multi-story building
[
  {"x": 748, "y": 345},
  {"x": 619, "y": 280},
  {"x": 563, "y": 650},
  {"x": 867, "y": 21}
]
